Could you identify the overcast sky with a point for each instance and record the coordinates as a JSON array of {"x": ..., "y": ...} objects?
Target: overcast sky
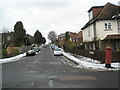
[{"x": 47, "y": 15}]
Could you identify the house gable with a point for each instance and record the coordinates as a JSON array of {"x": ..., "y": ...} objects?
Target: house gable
[
  {"x": 103, "y": 29},
  {"x": 106, "y": 13}
]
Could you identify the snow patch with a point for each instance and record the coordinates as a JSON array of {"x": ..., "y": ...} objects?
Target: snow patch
[
  {"x": 87, "y": 63},
  {"x": 12, "y": 59}
]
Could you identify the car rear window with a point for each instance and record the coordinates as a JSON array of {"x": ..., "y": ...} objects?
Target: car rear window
[{"x": 57, "y": 49}]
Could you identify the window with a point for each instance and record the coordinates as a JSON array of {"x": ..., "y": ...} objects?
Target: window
[
  {"x": 86, "y": 46},
  {"x": 8, "y": 38},
  {"x": 108, "y": 26},
  {"x": 105, "y": 25},
  {"x": 90, "y": 15},
  {"x": 76, "y": 40},
  {"x": 73, "y": 40},
  {"x": 119, "y": 42},
  {"x": 90, "y": 47},
  {"x": 93, "y": 46}
]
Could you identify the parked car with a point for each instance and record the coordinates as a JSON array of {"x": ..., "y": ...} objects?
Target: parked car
[
  {"x": 36, "y": 49},
  {"x": 30, "y": 52},
  {"x": 53, "y": 47},
  {"x": 57, "y": 51}
]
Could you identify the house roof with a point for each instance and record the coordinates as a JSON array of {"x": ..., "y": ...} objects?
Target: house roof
[
  {"x": 107, "y": 13},
  {"x": 80, "y": 35},
  {"x": 118, "y": 13},
  {"x": 95, "y": 7}
]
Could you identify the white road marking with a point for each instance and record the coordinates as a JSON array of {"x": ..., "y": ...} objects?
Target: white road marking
[
  {"x": 33, "y": 84},
  {"x": 51, "y": 83},
  {"x": 64, "y": 62}
]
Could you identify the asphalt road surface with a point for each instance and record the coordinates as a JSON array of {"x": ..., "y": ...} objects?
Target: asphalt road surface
[{"x": 45, "y": 70}]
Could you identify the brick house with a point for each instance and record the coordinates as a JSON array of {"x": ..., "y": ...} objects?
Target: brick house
[
  {"x": 77, "y": 38},
  {"x": 80, "y": 38},
  {"x": 73, "y": 37},
  {"x": 103, "y": 28}
]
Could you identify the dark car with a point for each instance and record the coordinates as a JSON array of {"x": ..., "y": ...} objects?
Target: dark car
[
  {"x": 53, "y": 47},
  {"x": 36, "y": 49}
]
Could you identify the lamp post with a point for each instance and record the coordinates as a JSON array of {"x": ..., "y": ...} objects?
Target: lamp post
[
  {"x": 99, "y": 41},
  {"x": 99, "y": 44}
]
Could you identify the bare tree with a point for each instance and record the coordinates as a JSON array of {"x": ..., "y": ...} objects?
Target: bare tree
[{"x": 52, "y": 36}]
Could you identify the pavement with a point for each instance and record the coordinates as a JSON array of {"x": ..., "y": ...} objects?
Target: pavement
[{"x": 45, "y": 70}]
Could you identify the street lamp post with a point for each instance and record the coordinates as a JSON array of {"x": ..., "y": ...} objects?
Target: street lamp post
[
  {"x": 99, "y": 41},
  {"x": 99, "y": 44}
]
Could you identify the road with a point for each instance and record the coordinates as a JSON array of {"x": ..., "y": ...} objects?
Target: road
[{"x": 45, "y": 70}]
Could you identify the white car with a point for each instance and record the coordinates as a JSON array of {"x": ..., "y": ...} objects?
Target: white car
[{"x": 57, "y": 51}]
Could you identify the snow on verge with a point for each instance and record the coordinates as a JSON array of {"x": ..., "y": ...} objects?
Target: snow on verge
[
  {"x": 87, "y": 64},
  {"x": 12, "y": 59}
]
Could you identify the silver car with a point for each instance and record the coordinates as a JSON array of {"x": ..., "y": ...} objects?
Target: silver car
[{"x": 57, "y": 51}]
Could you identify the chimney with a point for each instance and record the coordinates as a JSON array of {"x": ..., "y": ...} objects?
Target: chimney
[{"x": 119, "y": 3}]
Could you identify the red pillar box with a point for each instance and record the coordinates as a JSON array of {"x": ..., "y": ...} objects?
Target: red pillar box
[{"x": 108, "y": 57}]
